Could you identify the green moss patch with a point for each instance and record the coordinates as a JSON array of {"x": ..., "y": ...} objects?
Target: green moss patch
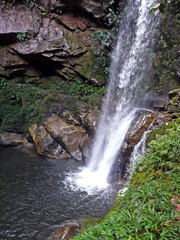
[{"x": 90, "y": 69}]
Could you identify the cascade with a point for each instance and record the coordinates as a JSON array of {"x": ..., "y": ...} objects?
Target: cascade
[{"x": 130, "y": 67}]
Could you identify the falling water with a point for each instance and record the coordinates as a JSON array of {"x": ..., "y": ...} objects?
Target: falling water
[{"x": 130, "y": 67}]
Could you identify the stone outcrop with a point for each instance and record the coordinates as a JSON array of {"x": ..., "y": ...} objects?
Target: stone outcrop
[
  {"x": 55, "y": 33},
  {"x": 12, "y": 139},
  {"x": 138, "y": 127}
]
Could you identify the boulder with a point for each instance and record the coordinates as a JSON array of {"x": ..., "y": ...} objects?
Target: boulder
[
  {"x": 69, "y": 136},
  {"x": 12, "y": 139},
  {"x": 45, "y": 144},
  {"x": 92, "y": 7},
  {"x": 65, "y": 232},
  {"x": 159, "y": 106}
]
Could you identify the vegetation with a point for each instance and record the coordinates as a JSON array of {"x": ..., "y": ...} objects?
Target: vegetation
[
  {"x": 147, "y": 210},
  {"x": 105, "y": 39},
  {"x": 22, "y": 103},
  {"x": 166, "y": 52}
]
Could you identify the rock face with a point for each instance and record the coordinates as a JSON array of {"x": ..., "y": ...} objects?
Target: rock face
[{"x": 55, "y": 33}]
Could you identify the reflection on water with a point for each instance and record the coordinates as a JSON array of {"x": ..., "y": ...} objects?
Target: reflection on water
[{"x": 35, "y": 199}]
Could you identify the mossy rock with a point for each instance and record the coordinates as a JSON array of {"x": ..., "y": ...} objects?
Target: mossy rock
[{"x": 88, "y": 70}]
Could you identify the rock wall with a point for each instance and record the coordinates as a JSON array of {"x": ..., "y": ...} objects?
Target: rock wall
[{"x": 47, "y": 37}]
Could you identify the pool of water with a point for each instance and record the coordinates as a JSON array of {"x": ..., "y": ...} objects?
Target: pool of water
[{"x": 36, "y": 198}]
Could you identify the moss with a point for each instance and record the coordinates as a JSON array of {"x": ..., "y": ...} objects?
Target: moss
[
  {"x": 160, "y": 131},
  {"x": 86, "y": 222},
  {"x": 89, "y": 70},
  {"x": 153, "y": 135}
]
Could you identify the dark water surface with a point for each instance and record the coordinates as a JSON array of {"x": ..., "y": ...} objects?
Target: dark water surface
[{"x": 35, "y": 199}]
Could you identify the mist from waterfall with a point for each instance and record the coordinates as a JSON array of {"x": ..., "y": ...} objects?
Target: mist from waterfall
[{"x": 130, "y": 68}]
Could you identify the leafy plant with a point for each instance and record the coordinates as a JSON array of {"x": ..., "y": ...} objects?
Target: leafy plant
[
  {"x": 103, "y": 40},
  {"x": 21, "y": 36}
]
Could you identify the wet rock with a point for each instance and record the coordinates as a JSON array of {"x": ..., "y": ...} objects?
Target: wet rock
[
  {"x": 138, "y": 127},
  {"x": 45, "y": 144},
  {"x": 71, "y": 137},
  {"x": 12, "y": 139},
  {"x": 141, "y": 123},
  {"x": 66, "y": 231}
]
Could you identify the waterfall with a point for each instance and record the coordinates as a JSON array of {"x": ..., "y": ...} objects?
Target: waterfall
[{"x": 130, "y": 67}]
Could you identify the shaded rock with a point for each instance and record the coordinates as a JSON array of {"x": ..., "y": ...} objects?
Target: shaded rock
[
  {"x": 174, "y": 101},
  {"x": 159, "y": 106},
  {"x": 10, "y": 59},
  {"x": 45, "y": 144},
  {"x": 3, "y": 72},
  {"x": 12, "y": 139},
  {"x": 21, "y": 21},
  {"x": 71, "y": 137},
  {"x": 86, "y": 149},
  {"x": 66, "y": 231},
  {"x": 90, "y": 6},
  {"x": 73, "y": 22}
]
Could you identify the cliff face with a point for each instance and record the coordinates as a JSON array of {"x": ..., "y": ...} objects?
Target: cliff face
[{"x": 47, "y": 37}]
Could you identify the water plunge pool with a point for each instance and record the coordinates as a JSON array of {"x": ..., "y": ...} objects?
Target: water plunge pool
[{"x": 35, "y": 198}]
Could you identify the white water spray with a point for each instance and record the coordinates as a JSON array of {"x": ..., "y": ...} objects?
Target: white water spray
[{"x": 130, "y": 67}]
